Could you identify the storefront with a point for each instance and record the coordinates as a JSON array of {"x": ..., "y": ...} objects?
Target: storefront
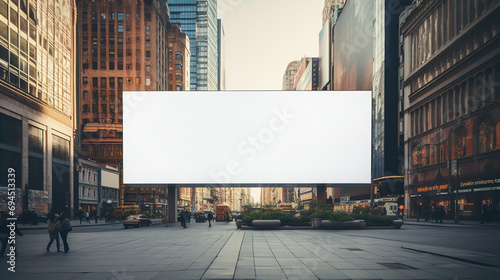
[{"x": 472, "y": 198}]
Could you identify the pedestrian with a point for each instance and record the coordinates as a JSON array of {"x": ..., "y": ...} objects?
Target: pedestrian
[
  {"x": 53, "y": 227},
  {"x": 441, "y": 214},
  {"x": 210, "y": 217},
  {"x": 87, "y": 217},
  {"x": 79, "y": 214},
  {"x": 484, "y": 216},
  {"x": 433, "y": 214},
  {"x": 183, "y": 218},
  {"x": 65, "y": 228},
  {"x": 94, "y": 213}
]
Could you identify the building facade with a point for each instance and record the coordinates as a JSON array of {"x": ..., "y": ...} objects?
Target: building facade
[
  {"x": 221, "y": 46},
  {"x": 308, "y": 79},
  {"x": 37, "y": 90},
  {"x": 452, "y": 95},
  {"x": 289, "y": 75},
  {"x": 179, "y": 57},
  {"x": 198, "y": 19},
  {"x": 122, "y": 46}
]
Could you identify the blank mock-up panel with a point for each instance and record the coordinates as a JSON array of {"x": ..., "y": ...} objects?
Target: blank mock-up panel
[{"x": 247, "y": 137}]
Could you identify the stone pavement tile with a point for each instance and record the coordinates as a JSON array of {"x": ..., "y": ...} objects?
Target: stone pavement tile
[
  {"x": 289, "y": 262},
  {"x": 359, "y": 274},
  {"x": 266, "y": 262},
  {"x": 29, "y": 276},
  {"x": 329, "y": 273},
  {"x": 344, "y": 265},
  {"x": 442, "y": 273},
  {"x": 246, "y": 263},
  {"x": 138, "y": 275},
  {"x": 475, "y": 273},
  {"x": 367, "y": 264},
  {"x": 177, "y": 266},
  {"x": 389, "y": 274},
  {"x": 284, "y": 255},
  {"x": 179, "y": 275},
  {"x": 271, "y": 271},
  {"x": 199, "y": 265},
  {"x": 98, "y": 276},
  {"x": 418, "y": 274},
  {"x": 293, "y": 273},
  {"x": 244, "y": 273},
  {"x": 214, "y": 273}
]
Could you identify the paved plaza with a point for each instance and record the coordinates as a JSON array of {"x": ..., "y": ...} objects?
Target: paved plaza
[{"x": 224, "y": 252}]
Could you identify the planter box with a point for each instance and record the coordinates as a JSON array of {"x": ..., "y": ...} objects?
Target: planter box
[
  {"x": 357, "y": 224},
  {"x": 397, "y": 223},
  {"x": 266, "y": 223}
]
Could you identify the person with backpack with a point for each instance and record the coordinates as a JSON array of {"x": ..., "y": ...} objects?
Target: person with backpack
[
  {"x": 65, "y": 228},
  {"x": 53, "y": 227}
]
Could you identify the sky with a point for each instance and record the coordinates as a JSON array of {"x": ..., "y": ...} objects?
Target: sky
[{"x": 263, "y": 36}]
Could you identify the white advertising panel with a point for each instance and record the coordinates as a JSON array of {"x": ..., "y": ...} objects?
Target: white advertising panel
[{"x": 247, "y": 137}]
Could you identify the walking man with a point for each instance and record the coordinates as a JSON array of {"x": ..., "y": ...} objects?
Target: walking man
[{"x": 210, "y": 217}]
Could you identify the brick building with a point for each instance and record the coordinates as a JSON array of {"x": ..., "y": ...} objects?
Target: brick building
[{"x": 122, "y": 46}]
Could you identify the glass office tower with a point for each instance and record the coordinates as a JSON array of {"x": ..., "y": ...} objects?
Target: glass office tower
[{"x": 198, "y": 20}]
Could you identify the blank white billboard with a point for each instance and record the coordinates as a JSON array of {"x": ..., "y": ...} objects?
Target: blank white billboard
[{"x": 247, "y": 137}]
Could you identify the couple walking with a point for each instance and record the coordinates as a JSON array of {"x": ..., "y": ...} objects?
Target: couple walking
[{"x": 58, "y": 225}]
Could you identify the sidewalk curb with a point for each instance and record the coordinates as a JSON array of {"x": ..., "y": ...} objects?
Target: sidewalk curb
[
  {"x": 82, "y": 225},
  {"x": 451, "y": 257},
  {"x": 449, "y": 224}
]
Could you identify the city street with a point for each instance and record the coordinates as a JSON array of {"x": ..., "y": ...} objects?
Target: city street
[{"x": 420, "y": 251}]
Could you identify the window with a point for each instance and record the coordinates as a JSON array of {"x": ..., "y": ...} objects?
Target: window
[
  {"x": 103, "y": 28},
  {"x": 178, "y": 56},
  {"x": 24, "y": 25},
  {"x": 103, "y": 65},
  {"x": 120, "y": 65},
  {"x": 130, "y": 81},
  {"x": 178, "y": 67},
  {"x": 95, "y": 82},
  {"x": 111, "y": 16},
  {"x": 85, "y": 94},
  {"x": 103, "y": 16},
  {"x": 485, "y": 134},
  {"x": 111, "y": 82},
  {"x": 85, "y": 80},
  {"x": 120, "y": 28},
  {"x": 84, "y": 15},
  {"x": 147, "y": 17},
  {"x": 4, "y": 8},
  {"x": 178, "y": 77},
  {"x": 86, "y": 108},
  {"x": 111, "y": 28},
  {"x": 111, "y": 65},
  {"x": 120, "y": 40},
  {"x": 148, "y": 81},
  {"x": 111, "y": 52},
  {"x": 129, "y": 52},
  {"x": 120, "y": 16},
  {"x": 148, "y": 68},
  {"x": 120, "y": 82},
  {"x": 137, "y": 81},
  {"x": 104, "y": 109},
  {"x": 13, "y": 17},
  {"x": 120, "y": 52},
  {"x": 148, "y": 30},
  {"x": 94, "y": 65},
  {"x": 128, "y": 66},
  {"x": 148, "y": 42},
  {"x": 148, "y": 53}
]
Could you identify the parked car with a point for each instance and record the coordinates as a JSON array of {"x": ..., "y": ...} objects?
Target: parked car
[{"x": 136, "y": 221}]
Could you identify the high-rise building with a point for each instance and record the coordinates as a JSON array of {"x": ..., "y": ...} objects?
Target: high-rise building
[
  {"x": 37, "y": 95},
  {"x": 451, "y": 65},
  {"x": 179, "y": 56},
  {"x": 198, "y": 19},
  {"x": 289, "y": 75},
  {"x": 122, "y": 46},
  {"x": 221, "y": 46}
]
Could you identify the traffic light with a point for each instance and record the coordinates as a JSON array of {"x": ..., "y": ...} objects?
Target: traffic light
[{"x": 375, "y": 190}]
